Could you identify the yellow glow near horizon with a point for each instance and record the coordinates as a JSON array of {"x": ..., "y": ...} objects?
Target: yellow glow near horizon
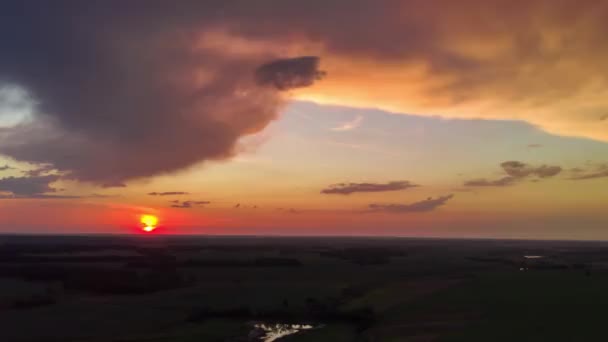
[{"x": 149, "y": 222}]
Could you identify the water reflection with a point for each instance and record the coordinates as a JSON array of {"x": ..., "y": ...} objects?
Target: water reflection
[{"x": 272, "y": 332}]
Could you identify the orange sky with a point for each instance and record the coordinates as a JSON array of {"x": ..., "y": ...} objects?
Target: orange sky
[{"x": 405, "y": 118}]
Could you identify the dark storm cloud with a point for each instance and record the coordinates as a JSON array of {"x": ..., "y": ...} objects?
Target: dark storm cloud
[
  {"x": 290, "y": 73},
  {"x": 29, "y": 186},
  {"x": 505, "y": 181},
  {"x": 426, "y": 205},
  {"x": 168, "y": 193},
  {"x": 6, "y": 167},
  {"x": 350, "y": 188},
  {"x": 188, "y": 204},
  {"x": 130, "y": 90}
]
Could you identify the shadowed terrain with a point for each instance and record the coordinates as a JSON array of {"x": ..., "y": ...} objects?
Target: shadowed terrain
[{"x": 160, "y": 288}]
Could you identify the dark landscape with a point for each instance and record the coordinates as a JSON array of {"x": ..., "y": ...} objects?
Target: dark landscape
[{"x": 166, "y": 288}]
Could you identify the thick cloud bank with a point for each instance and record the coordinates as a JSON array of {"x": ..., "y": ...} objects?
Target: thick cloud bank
[{"x": 126, "y": 91}]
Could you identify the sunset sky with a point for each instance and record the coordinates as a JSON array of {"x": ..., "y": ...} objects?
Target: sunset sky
[{"x": 432, "y": 118}]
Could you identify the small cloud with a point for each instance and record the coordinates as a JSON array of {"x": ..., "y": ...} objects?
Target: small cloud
[
  {"x": 113, "y": 185},
  {"x": 238, "y": 205},
  {"x": 546, "y": 171},
  {"x": 516, "y": 171},
  {"x": 505, "y": 181},
  {"x": 188, "y": 204},
  {"x": 426, "y": 205},
  {"x": 183, "y": 205},
  {"x": 350, "y": 188},
  {"x": 601, "y": 171},
  {"x": 520, "y": 170},
  {"x": 290, "y": 73},
  {"x": 535, "y": 145},
  {"x": 168, "y": 193},
  {"x": 6, "y": 167},
  {"x": 349, "y": 125}
]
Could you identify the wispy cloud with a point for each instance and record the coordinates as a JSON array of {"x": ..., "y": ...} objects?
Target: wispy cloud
[
  {"x": 349, "y": 125},
  {"x": 426, "y": 205},
  {"x": 505, "y": 181},
  {"x": 519, "y": 170},
  {"x": 601, "y": 171},
  {"x": 516, "y": 171},
  {"x": 37, "y": 196},
  {"x": 168, "y": 193},
  {"x": 188, "y": 204},
  {"x": 39, "y": 171},
  {"x": 350, "y": 188},
  {"x": 113, "y": 184}
]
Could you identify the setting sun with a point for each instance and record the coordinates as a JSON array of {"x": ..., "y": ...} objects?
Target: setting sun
[{"x": 149, "y": 222}]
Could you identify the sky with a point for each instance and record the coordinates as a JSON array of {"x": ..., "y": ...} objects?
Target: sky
[{"x": 468, "y": 119}]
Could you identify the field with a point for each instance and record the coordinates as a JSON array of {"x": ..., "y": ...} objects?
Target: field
[{"x": 174, "y": 289}]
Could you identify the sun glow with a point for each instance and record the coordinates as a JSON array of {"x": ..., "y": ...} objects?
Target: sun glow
[{"x": 149, "y": 222}]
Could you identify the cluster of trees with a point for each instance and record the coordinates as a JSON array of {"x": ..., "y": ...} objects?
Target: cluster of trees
[
  {"x": 364, "y": 255},
  {"x": 315, "y": 312},
  {"x": 100, "y": 280},
  {"x": 257, "y": 262}
]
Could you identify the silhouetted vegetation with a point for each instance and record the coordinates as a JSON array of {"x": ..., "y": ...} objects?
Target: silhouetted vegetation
[
  {"x": 212, "y": 289},
  {"x": 257, "y": 262},
  {"x": 315, "y": 313},
  {"x": 364, "y": 256},
  {"x": 99, "y": 280},
  {"x": 33, "y": 302}
]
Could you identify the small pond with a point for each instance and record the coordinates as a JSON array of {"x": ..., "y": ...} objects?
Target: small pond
[{"x": 268, "y": 332}]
